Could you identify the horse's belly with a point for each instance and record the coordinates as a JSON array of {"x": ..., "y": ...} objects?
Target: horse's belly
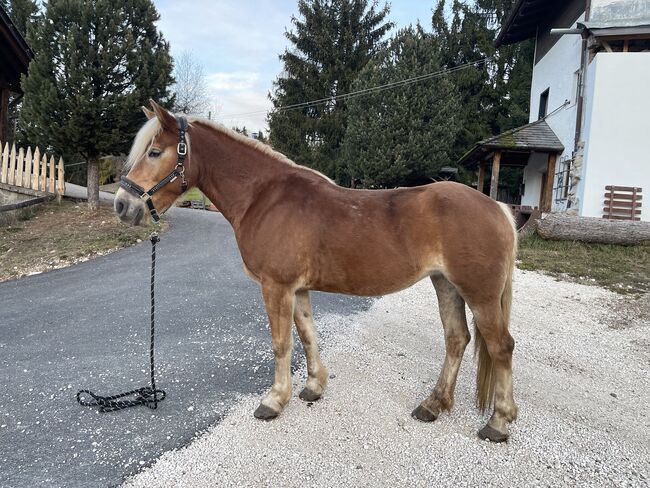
[{"x": 373, "y": 274}]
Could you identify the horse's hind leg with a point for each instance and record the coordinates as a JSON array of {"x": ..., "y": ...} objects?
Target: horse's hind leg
[
  {"x": 452, "y": 313},
  {"x": 494, "y": 346},
  {"x": 317, "y": 374}
]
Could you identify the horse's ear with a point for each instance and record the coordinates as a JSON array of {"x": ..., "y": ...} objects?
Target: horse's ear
[
  {"x": 167, "y": 120},
  {"x": 149, "y": 114}
]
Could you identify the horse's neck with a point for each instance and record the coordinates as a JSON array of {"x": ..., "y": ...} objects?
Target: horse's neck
[{"x": 232, "y": 173}]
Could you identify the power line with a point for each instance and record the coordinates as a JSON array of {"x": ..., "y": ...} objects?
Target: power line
[{"x": 366, "y": 91}]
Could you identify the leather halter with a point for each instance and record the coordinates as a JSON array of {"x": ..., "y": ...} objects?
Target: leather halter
[{"x": 179, "y": 170}]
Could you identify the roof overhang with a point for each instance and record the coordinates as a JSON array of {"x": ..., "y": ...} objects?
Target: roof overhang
[{"x": 524, "y": 18}]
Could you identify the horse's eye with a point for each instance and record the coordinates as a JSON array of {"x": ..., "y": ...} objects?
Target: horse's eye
[{"x": 154, "y": 153}]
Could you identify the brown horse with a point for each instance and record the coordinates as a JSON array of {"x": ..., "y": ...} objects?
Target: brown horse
[{"x": 298, "y": 231}]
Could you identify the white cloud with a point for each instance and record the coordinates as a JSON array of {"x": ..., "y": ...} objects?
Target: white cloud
[
  {"x": 244, "y": 108},
  {"x": 227, "y": 33},
  {"x": 238, "y": 42},
  {"x": 233, "y": 81}
]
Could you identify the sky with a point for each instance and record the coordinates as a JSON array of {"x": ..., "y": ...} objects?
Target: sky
[{"x": 238, "y": 42}]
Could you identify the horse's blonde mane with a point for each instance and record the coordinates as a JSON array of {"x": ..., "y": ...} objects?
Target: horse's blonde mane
[
  {"x": 152, "y": 128},
  {"x": 143, "y": 140}
]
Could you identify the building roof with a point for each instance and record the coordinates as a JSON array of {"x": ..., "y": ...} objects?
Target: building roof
[
  {"x": 524, "y": 18},
  {"x": 15, "y": 54},
  {"x": 607, "y": 18},
  {"x": 517, "y": 144}
]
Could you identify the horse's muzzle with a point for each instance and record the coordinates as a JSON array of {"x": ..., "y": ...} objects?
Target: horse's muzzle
[{"x": 129, "y": 209}]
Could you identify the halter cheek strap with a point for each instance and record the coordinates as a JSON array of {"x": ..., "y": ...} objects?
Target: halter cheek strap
[{"x": 179, "y": 170}]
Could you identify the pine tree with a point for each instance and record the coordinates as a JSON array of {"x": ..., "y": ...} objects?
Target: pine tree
[
  {"x": 494, "y": 94},
  {"x": 402, "y": 135},
  {"x": 96, "y": 63},
  {"x": 22, "y": 13},
  {"x": 331, "y": 42}
]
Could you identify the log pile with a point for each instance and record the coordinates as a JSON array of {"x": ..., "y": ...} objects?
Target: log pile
[{"x": 562, "y": 227}]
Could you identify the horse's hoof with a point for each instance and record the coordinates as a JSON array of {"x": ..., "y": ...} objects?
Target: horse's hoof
[
  {"x": 423, "y": 414},
  {"x": 264, "y": 412},
  {"x": 491, "y": 434},
  {"x": 308, "y": 395}
]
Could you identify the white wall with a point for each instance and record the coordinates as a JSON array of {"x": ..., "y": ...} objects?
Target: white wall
[
  {"x": 617, "y": 128},
  {"x": 557, "y": 72}
]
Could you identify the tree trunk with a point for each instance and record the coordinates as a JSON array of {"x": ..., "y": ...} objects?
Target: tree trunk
[
  {"x": 93, "y": 185},
  {"x": 562, "y": 227}
]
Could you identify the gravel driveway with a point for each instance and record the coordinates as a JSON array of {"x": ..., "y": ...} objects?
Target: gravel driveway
[{"x": 581, "y": 382}]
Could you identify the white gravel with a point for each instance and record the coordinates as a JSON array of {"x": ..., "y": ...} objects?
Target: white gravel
[{"x": 581, "y": 381}]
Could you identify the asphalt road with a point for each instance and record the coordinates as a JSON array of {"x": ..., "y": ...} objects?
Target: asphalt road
[{"x": 87, "y": 327}]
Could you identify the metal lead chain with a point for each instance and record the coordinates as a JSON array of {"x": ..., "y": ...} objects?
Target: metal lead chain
[{"x": 148, "y": 396}]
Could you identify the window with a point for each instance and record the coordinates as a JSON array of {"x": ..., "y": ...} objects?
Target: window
[
  {"x": 543, "y": 104},
  {"x": 563, "y": 179}
]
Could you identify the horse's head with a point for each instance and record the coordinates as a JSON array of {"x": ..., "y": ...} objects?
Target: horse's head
[{"x": 156, "y": 165}]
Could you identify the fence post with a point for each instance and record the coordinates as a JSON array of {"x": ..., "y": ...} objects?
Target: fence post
[
  {"x": 43, "y": 185},
  {"x": 27, "y": 182},
  {"x": 20, "y": 167},
  {"x": 11, "y": 177},
  {"x": 52, "y": 175},
  {"x": 61, "y": 179},
  {"x": 37, "y": 167},
  {"x": 5, "y": 163}
]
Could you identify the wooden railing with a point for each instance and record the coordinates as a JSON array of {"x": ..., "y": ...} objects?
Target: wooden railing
[{"x": 32, "y": 170}]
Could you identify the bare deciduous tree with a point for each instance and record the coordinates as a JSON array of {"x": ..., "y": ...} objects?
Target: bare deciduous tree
[{"x": 191, "y": 89}]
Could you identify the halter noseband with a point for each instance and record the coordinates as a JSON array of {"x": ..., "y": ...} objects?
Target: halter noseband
[{"x": 179, "y": 170}]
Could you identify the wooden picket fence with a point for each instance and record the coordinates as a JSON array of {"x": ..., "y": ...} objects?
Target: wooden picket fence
[{"x": 32, "y": 170}]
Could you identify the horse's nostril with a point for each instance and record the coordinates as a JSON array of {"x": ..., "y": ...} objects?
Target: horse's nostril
[{"x": 120, "y": 208}]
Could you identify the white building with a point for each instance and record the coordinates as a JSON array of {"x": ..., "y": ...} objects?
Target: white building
[{"x": 585, "y": 150}]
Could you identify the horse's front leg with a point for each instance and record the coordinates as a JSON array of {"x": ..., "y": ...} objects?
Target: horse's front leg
[
  {"x": 280, "y": 302},
  {"x": 316, "y": 372}
]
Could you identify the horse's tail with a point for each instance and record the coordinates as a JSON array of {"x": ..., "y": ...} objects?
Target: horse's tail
[{"x": 485, "y": 375}]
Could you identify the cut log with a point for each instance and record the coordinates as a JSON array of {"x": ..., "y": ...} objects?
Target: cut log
[{"x": 561, "y": 227}]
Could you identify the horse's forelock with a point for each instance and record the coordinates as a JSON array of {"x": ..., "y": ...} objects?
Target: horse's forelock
[{"x": 143, "y": 140}]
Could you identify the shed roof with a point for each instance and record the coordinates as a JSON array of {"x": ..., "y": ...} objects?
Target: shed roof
[
  {"x": 518, "y": 143},
  {"x": 15, "y": 54}
]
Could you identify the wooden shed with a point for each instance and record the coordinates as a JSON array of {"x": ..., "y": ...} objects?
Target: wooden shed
[
  {"x": 514, "y": 148},
  {"x": 15, "y": 56}
]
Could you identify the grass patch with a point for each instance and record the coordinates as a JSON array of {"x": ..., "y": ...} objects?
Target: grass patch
[
  {"x": 623, "y": 269},
  {"x": 58, "y": 235},
  {"x": 193, "y": 194}
]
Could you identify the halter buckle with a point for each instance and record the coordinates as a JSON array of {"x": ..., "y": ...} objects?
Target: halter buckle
[{"x": 181, "y": 149}]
